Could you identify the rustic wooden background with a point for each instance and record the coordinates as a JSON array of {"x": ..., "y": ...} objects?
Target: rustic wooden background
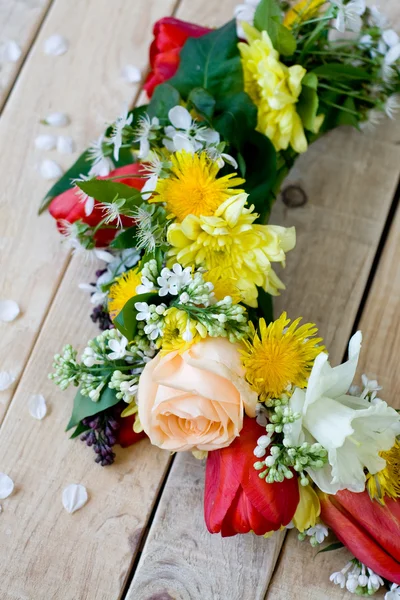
[{"x": 141, "y": 536}]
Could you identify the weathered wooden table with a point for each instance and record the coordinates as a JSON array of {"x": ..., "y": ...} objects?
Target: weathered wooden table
[{"x": 142, "y": 536}]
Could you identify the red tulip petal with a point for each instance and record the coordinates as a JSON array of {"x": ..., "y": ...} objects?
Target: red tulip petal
[
  {"x": 220, "y": 490},
  {"x": 125, "y": 434}
]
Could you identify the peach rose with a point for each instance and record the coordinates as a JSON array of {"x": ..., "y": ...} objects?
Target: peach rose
[{"x": 195, "y": 401}]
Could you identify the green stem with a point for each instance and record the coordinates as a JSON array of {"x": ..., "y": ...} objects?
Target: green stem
[
  {"x": 346, "y": 92},
  {"x": 348, "y": 110}
]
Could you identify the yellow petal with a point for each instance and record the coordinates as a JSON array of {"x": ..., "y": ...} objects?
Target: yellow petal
[{"x": 308, "y": 509}]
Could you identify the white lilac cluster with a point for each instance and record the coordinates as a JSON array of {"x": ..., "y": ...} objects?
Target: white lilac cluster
[
  {"x": 358, "y": 579},
  {"x": 316, "y": 534}
]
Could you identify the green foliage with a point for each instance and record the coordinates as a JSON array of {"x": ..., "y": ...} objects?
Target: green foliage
[
  {"x": 202, "y": 101},
  {"x": 236, "y": 117},
  {"x": 308, "y": 103},
  {"x": 125, "y": 239},
  {"x": 268, "y": 17},
  {"x": 265, "y": 305},
  {"x": 126, "y": 322},
  {"x": 107, "y": 190},
  {"x": 341, "y": 72},
  {"x": 85, "y": 407},
  {"x": 333, "y": 546},
  {"x": 164, "y": 98}
]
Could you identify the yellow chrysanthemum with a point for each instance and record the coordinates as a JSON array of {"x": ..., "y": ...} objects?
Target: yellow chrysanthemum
[
  {"x": 123, "y": 290},
  {"x": 193, "y": 186},
  {"x": 281, "y": 356},
  {"x": 308, "y": 508},
  {"x": 387, "y": 481},
  {"x": 231, "y": 244},
  {"x": 223, "y": 286},
  {"x": 180, "y": 332},
  {"x": 302, "y": 11},
  {"x": 274, "y": 89}
]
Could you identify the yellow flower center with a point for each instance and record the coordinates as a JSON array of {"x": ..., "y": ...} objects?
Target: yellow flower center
[
  {"x": 387, "y": 481},
  {"x": 282, "y": 356},
  {"x": 179, "y": 332},
  {"x": 302, "y": 11},
  {"x": 123, "y": 290},
  {"x": 193, "y": 186}
]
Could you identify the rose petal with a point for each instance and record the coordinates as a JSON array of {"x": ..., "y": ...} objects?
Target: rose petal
[
  {"x": 46, "y": 142},
  {"x": 49, "y": 169},
  {"x": 9, "y": 310},
  {"x": 57, "y": 119},
  {"x": 131, "y": 74},
  {"x": 56, "y": 45},
  {"x": 74, "y": 497},
  {"x": 37, "y": 407},
  {"x": 12, "y": 51},
  {"x": 6, "y": 380},
  {"x": 6, "y": 486}
]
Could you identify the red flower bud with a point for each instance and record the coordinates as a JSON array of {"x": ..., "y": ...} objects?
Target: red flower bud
[{"x": 236, "y": 499}]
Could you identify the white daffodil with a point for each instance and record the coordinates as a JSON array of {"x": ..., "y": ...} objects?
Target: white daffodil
[
  {"x": 244, "y": 13},
  {"x": 146, "y": 131},
  {"x": 351, "y": 429},
  {"x": 349, "y": 15},
  {"x": 124, "y": 120},
  {"x": 186, "y": 134}
]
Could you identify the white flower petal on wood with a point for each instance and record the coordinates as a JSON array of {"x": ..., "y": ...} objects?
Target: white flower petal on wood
[
  {"x": 37, "y": 406},
  {"x": 131, "y": 74},
  {"x": 74, "y": 497},
  {"x": 56, "y": 45},
  {"x": 6, "y": 486},
  {"x": 57, "y": 119},
  {"x": 9, "y": 310},
  {"x": 12, "y": 51},
  {"x": 65, "y": 144},
  {"x": 46, "y": 141},
  {"x": 49, "y": 169},
  {"x": 6, "y": 380}
]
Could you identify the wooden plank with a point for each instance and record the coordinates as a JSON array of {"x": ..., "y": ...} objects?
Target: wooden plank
[
  {"x": 349, "y": 181},
  {"x": 86, "y": 83},
  {"x": 20, "y": 22}
]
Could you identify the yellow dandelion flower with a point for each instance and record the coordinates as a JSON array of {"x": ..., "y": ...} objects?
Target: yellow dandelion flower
[
  {"x": 275, "y": 89},
  {"x": 387, "y": 481},
  {"x": 193, "y": 186},
  {"x": 302, "y": 11},
  {"x": 282, "y": 355},
  {"x": 231, "y": 245},
  {"x": 123, "y": 290},
  {"x": 179, "y": 332}
]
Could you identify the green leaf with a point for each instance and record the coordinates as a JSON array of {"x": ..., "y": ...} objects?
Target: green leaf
[
  {"x": 81, "y": 428},
  {"x": 307, "y": 106},
  {"x": 202, "y": 101},
  {"x": 333, "y": 546},
  {"x": 265, "y": 306},
  {"x": 126, "y": 322},
  {"x": 268, "y": 17},
  {"x": 125, "y": 239},
  {"x": 164, "y": 98},
  {"x": 211, "y": 62},
  {"x": 265, "y": 11},
  {"x": 106, "y": 190},
  {"x": 348, "y": 118},
  {"x": 80, "y": 167},
  {"x": 85, "y": 407},
  {"x": 237, "y": 116},
  {"x": 340, "y": 72}
]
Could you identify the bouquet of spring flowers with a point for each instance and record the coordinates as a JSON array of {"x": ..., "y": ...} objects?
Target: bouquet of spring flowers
[{"x": 175, "y": 199}]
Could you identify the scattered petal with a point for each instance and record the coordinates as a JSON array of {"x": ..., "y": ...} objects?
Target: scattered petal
[
  {"x": 56, "y": 45},
  {"x": 12, "y": 51},
  {"x": 6, "y": 380},
  {"x": 9, "y": 310},
  {"x": 131, "y": 74},
  {"x": 104, "y": 255},
  {"x": 65, "y": 144},
  {"x": 74, "y": 497},
  {"x": 56, "y": 119},
  {"x": 46, "y": 142},
  {"x": 37, "y": 407},
  {"x": 49, "y": 169},
  {"x": 6, "y": 486}
]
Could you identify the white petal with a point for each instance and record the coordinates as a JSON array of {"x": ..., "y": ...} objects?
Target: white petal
[
  {"x": 9, "y": 310},
  {"x": 354, "y": 22},
  {"x": 6, "y": 486},
  {"x": 12, "y": 51},
  {"x": 131, "y": 74},
  {"x": 182, "y": 142},
  {"x": 74, "y": 497},
  {"x": 89, "y": 206},
  {"x": 37, "y": 407},
  {"x": 65, "y": 144},
  {"x": 180, "y": 118},
  {"x": 6, "y": 380},
  {"x": 390, "y": 37},
  {"x": 104, "y": 255},
  {"x": 149, "y": 187},
  {"x": 393, "y": 55},
  {"x": 210, "y": 136},
  {"x": 56, "y": 45},
  {"x": 49, "y": 169},
  {"x": 340, "y": 22},
  {"x": 358, "y": 6},
  {"x": 57, "y": 119},
  {"x": 86, "y": 287},
  {"x": 46, "y": 142}
]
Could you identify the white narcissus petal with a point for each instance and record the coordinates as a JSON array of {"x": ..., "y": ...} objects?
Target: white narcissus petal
[
  {"x": 57, "y": 119},
  {"x": 49, "y": 169},
  {"x": 6, "y": 486},
  {"x": 180, "y": 118},
  {"x": 182, "y": 142},
  {"x": 9, "y": 310},
  {"x": 65, "y": 144},
  {"x": 74, "y": 497},
  {"x": 12, "y": 51},
  {"x": 37, "y": 407},
  {"x": 56, "y": 45},
  {"x": 131, "y": 74},
  {"x": 6, "y": 380},
  {"x": 46, "y": 142}
]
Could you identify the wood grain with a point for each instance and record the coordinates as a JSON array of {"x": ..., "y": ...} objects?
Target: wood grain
[
  {"x": 20, "y": 21},
  {"x": 85, "y": 83}
]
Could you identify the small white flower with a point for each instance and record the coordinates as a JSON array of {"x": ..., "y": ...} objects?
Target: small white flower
[
  {"x": 352, "y": 584},
  {"x": 153, "y": 331},
  {"x": 118, "y": 348},
  {"x": 374, "y": 118},
  {"x": 37, "y": 407},
  {"x": 349, "y": 15},
  {"x": 111, "y": 211},
  {"x": 377, "y": 18},
  {"x": 392, "y": 55},
  {"x": 101, "y": 164},
  {"x": 131, "y": 74},
  {"x": 118, "y": 126},
  {"x": 392, "y": 106},
  {"x": 146, "y": 131},
  {"x": 186, "y": 134},
  {"x": 144, "y": 312},
  {"x": 9, "y": 310},
  {"x": 370, "y": 385},
  {"x": 88, "y": 201},
  {"x": 56, "y": 45},
  {"x": 46, "y": 142},
  {"x": 374, "y": 581},
  {"x": 74, "y": 496},
  {"x": 145, "y": 287},
  {"x": 394, "y": 593},
  {"x": 259, "y": 451},
  {"x": 172, "y": 282},
  {"x": 49, "y": 169},
  {"x": 65, "y": 144},
  {"x": 57, "y": 119},
  {"x": 390, "y": 37},
  {"x": 6, "y": 380},
  {"x": 6, "y": 486},
  {"x": 221, "y": 157},
  {"x": 319, "y": 532},
  {"x": 12, "y": 51},
  {"x": 338, "y": 578}
]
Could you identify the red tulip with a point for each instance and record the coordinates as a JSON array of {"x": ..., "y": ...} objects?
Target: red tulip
[
  {"x": 170, "y": 34},
  {"x": 125, "y": 434},
  {"x": 68, "y": 207},
  {"x": 370, "y": 531},
  {"x": 236, "y": 499}
]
